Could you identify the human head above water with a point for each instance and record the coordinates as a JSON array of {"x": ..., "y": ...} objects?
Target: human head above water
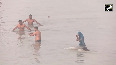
[
  {"x": 30, "y": 16},
  {"x": 36, "y": 28},
  {"x": 20, "y": 22}
]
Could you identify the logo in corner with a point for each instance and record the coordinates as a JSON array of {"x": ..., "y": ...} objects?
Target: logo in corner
[{"x": 108, "y": 7}]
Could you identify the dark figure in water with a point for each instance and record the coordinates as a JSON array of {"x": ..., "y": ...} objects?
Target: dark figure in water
[{"x": 80, "y": 38}]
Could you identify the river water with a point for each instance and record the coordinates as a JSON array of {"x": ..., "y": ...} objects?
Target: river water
[{"x": 66, "y": 18}]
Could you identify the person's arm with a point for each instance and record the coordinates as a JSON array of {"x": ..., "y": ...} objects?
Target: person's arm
[
  {"x": 77, "y": 37},
  {"x": 15, "y": 28},
  {"x": 28, "y": 28},
  {"x": 37, "y": 22},
  {"x": 24, "y": 20},
  {"x": 32, "y": 34}
]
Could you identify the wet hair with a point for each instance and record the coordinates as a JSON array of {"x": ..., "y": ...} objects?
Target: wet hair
[
  {"x": 20, "y": 21},
  {"x": 36, "y": 27},
  {"x": 30, "y": 15}
]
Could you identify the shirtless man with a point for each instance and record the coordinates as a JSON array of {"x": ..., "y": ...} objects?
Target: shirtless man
[
  {"x": 37, "y": 34},
  {"x": 21, "y": 26},
  {"x": 30, "y": 21}
]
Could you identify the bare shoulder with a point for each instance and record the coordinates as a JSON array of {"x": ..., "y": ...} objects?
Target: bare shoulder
[
  {"x": 27, "y": 19},
  {"x": 34, "y": 20},
  {"x": 38, "y": 32},
  {"x": 18, "y": 24},
  {"x": 24, "y": 24}
]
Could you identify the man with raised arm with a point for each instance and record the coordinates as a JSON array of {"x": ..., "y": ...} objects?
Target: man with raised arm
[
  {"x": 30, "y": 21},
  {"x": 21, "y": 26},
  {"x": 37, "y": 35}
]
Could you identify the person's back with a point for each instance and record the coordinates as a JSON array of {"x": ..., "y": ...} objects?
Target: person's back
[
  {"x": 81, "y": 38},
  {"x": 80, "y": 35},
  {"x": 38, "y": 35}
]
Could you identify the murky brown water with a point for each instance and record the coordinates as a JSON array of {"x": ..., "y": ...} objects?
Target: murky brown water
[{"x": 58, "y": 32}]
